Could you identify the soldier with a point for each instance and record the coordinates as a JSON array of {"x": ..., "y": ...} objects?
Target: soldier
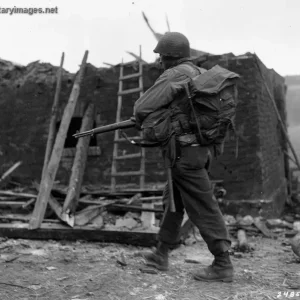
[{"x": 191, "y": 184}]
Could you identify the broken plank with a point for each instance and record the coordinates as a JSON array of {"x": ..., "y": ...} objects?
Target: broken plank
[
  {"x": 52, "y": 168},
  {"x": 62, "y": 232},
  {"x": 10, "y": 199},
  {"x": 12, "y": 203},
  {"x": 53, "y": 119},
  {"x": 124, "y": 207},
  {"x": 57, "y": 208},
  {"x": 9, "y": 171},
  {"x": 262, "y": 227},
  {"x": 21, "y": 195},
  {"x": 28, "y": 203},
  {"x": 79, "y": 163},
  {"x": 125, "y": 192},
  {"x": 23, "y": 219},
  {"x": 126, "y": 200}
]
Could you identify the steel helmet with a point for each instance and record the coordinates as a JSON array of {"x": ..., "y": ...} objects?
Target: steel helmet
[{"x": 173, "y": 44}]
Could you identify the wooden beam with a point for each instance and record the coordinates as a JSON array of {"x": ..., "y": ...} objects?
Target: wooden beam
[
  {"x": 62, "y": 232},
  {"x": 137, "y": 57},
  {"x": 22, "y": 218},
  {"x": 52, "y": 126},
  {"x": 79, "y": 164},
  {"x": 54, "y": 231},
  {"x": 124, "y": 207},
  {"x": 47, "y": 184},
  {"x": 12, "y": 203},
  {"x": 20, "y": 195},
  {"x": 156, "y": 35},
  {"x": 108, "y": 64},
  {"x": 168, "y": 24}
]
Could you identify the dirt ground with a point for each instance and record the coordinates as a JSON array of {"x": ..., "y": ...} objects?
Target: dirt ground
[{"x": 54, "y": 270}]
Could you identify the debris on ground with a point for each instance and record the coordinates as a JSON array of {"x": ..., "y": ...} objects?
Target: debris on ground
[
  {"x": 243, "y": 245},
  {"x": 278, "y": 223},
  {"x": 295, "y": 243},
  {"x": 247, "y": 221},
  {"x": 148, "y": 270},
  {"x": 192, "y": 261},
  {"x": 121, "y": 260},
  {"x": 129, "y": 223},
  {"x": 229, "y": 220},
  {"x": 296, "y": 226}
]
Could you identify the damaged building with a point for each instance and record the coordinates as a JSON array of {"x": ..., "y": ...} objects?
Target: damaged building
[{"x": 256, "y": 181}]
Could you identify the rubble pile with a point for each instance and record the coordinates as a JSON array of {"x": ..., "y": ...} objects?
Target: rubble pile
[{"x": 15, "y": 75}]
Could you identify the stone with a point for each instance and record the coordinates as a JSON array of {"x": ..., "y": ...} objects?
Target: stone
[
  {"x": 229, "y": 220},
  {"x": 247, "y": 221},
  {"x": 296, "y": 226},
  {"x": 97, "y": 222},
  {"x": 278, "y": 223},
  {"x": 128, "y": 223},
  {"x": 238, "y": 255},
  {"x": 133, "y": 215},
  {"x": 192, "y": 260},
  {"x": 289, "y": 219},
  {"x": 295, "y": 243}
]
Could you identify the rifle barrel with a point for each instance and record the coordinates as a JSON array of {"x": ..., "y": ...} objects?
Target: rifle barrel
[{"x": 111, "y": 127}]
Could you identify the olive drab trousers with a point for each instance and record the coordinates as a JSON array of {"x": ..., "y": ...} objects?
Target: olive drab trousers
[{"x": 193, "y": 192}]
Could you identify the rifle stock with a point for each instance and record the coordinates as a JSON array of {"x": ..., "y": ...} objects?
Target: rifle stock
[{"x": 107, "y": 128}]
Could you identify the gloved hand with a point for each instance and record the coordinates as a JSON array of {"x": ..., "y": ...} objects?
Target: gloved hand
[{"x": 137, "y": 126}]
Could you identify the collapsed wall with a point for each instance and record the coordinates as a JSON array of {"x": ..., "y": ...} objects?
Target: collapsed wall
[{"x": 26, "y": 97}]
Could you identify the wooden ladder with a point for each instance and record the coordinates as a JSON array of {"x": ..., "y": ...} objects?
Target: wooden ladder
[{"x": 117, "y": 140}]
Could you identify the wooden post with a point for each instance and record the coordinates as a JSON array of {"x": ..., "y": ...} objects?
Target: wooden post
[
  {"x": 79, "y": 162},
  {"x": 279, "y": 117},
  {"x": 47, "y": 183},
  {"x": 52, "y": 126}
]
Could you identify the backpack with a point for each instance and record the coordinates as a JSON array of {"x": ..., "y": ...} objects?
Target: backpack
[{"x": 213, "y": 101}]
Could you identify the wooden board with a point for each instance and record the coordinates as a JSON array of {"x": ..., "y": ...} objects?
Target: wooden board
[{"x": 62, "y": 232}]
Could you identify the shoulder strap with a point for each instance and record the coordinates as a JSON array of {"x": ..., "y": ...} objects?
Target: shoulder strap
[{"x": 187, "y": 69}]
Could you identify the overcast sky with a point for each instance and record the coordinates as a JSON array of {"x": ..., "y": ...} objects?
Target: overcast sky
[{"x": 108, "y": 29}]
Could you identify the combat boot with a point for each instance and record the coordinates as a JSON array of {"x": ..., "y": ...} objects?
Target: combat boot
[
  {"x": 220, "y": 270},
  {"x": 159, "y": 258}
]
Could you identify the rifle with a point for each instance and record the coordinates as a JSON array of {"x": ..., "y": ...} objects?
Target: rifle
[
  {"x": 130, "y": 123},
  {"x": 111, "y": 127}
]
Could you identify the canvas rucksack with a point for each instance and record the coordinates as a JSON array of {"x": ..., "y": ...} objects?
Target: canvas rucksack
[{"x": 213, "y": 100}]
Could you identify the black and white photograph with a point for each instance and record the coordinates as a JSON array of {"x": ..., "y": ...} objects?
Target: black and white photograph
[{"x": 149, "y": 150}]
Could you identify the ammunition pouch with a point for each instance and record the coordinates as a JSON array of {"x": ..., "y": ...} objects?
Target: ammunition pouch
[
  {"x": 187, "y": 139},
  {"x": 157, "y": 127}
]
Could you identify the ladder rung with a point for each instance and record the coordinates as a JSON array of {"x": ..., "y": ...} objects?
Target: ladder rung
[
  {"x": 135, "y": 75},
  {"x": 130, "y": 91},
  {"x": 133, "y": 155},
  {"x": 131, "y": 173},
  {"x": 130, "y": 138}
]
